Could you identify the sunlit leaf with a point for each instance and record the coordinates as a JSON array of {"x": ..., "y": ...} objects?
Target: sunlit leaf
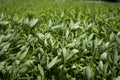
[
  {"x": 103, "y": 56},
  {"x": 118, "y": 78},
  {"x": 52, "y": 63},
  {"x": 41, "y": 70},
  {"x": 23, "y": 54},
  {"x": 89, "y": 72},
  {"x": 100, "y": 65},
  {"x": 33, "y": 22}
]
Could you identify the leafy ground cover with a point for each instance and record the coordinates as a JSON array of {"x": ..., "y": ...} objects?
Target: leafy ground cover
[{"x": 59, "y": 40}]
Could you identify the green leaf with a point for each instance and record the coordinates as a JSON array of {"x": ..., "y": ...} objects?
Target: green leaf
[
  {"x": 116, "y": 57},
  {"x": 5, "y": 48},
  {"x": 2, "y": 16},
  {"x": 112, "y": 36},
  {"x": 1, "y": 38},
  {"x": 118, "y": 78},
  {"x": 70, "y": 45},
  {"x": 117, "y": 39},
  {"x": 89, "y": 72},
  {"x": 8, "y": 68},
  {"x": 101, "y": 65},
  {"x": 23, "y": 69},
  {"x": 47, "y": 35},
  {"x": 64, "y": 51},
  {"x": 39, "y": 77},
  {"x": 25, "y": 20},
  {"x": 75, "y": 51},
  {"x": 29, "y": 62},
  {"x": 100, "y": 42},
  {"x": 52, "y": 63},
  {"x": 95, "y": 29},
  {"x": 45, "y": 43},
  {"x": 33, "y": 22},
  {"x": 23, "y": 54},
  {"x": 90, "y": 37},
  {"x": 4, "y": 22},
  {"x": 29, "y": 37},
  {"x": 41, "y": 70},
  {"x": 67, "y": 33},
  {"x": 118, "y": 34},
  {"x": 107, "y": 44},
  {"x": 17, "y": 62},
  {"x": 3, "y": 44},
  {"x": 56, "y": 27},
  {"x": 74, "y": 26},
  {"x": 103, "y": 56},
  {"x": 52, "y": 41},
  {"x": 2, "y": 65},
  {"x": 40, "y": 35},
  {"x": 71, "y": 54},
  {"x": 7, "y": 37}
]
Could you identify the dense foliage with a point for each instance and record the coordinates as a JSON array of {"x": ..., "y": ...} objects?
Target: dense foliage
[{"x": 59, "y": 40}]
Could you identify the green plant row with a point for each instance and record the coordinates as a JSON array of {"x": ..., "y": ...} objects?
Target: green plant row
[{"x": 67, "y": 41}]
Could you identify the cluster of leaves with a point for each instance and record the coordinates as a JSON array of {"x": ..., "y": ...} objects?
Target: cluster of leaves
[{"x": 63, "y": 43}]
